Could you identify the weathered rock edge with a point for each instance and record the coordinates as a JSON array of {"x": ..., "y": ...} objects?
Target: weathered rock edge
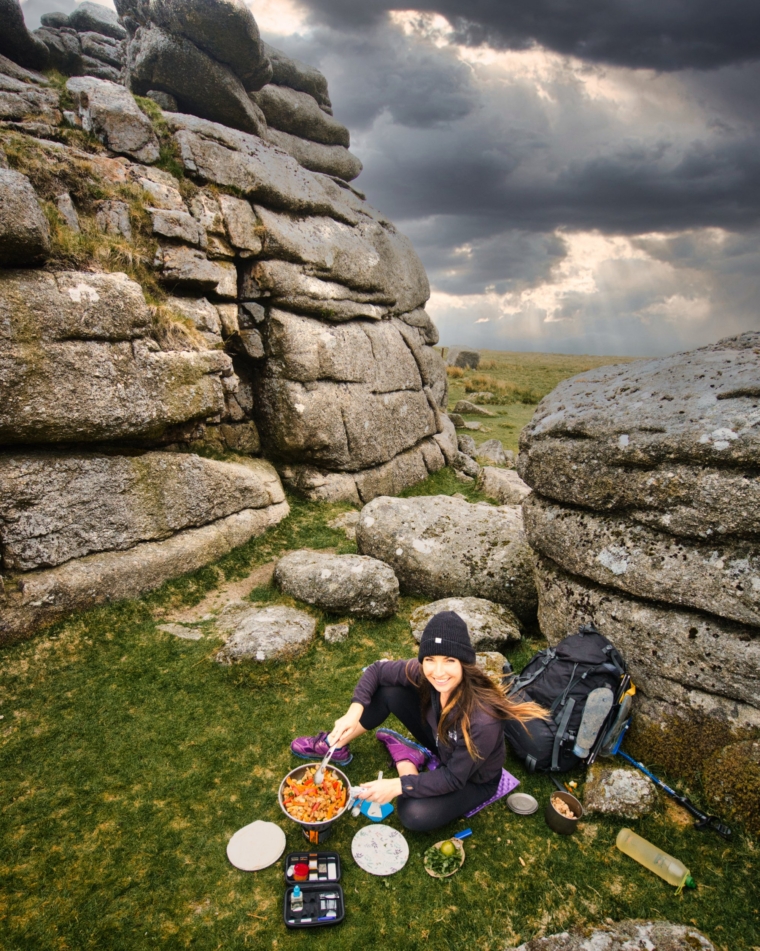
[
  {"x": 42, "y": 597},
  {"x": 633, "y": 935}
]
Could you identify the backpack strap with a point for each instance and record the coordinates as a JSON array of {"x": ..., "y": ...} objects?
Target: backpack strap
[
  {"x": 561, "y": 732},
  {"x": 530, "y": 763},
  {"x": 520, "y": 683}
]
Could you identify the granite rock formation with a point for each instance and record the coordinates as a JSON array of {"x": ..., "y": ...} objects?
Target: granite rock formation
[
  {"x": 644, "y": 513},
  {"x": 443, "y": 547},
  {"x": 268, "y": 308}
]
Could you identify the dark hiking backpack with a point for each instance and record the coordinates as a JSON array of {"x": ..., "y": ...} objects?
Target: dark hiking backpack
[{"x": 561, "y": 679}]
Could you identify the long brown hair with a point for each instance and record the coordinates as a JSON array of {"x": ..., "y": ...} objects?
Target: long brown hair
[{"x": 476, "y": 691}]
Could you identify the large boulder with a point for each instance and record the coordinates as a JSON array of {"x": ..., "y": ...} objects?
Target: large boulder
[
  {"x": 224, "y": 29},
  {"x": 635, "y": 935},
  {"x": 721, "y": 576},
  {"x": 96, "y": 18},
  {"x": 491, "y": 625},
  {"x": 58, "y": 506},
  {"x": 340, "y": 584},
  {"x": 445, "y": 547},
  {"x": 276, "y": 632},
  {"x": 24, "y": 231},
  {"x": 299, "y": 114},
  {"x": 39, "y": 598},
  {"x": 110, "y": 112},
  {"x": 16, "y": 42},
  {"x": 158, "y": 60}
]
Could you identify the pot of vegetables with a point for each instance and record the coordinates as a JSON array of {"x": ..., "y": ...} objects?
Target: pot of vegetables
[{"x": 314, "y": 808}]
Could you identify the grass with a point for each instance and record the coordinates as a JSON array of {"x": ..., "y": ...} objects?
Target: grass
[
  {"x": 128, "y": 758},
  {"x": 517, "y": 382}
]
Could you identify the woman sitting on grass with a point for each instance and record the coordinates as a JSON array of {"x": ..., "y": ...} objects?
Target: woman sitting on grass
[{"x": 449, "y": 705}]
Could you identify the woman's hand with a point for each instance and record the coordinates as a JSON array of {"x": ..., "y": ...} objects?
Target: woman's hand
[
  {"x": 380, "y": 791},
  {"x": 345, "y": 726}
]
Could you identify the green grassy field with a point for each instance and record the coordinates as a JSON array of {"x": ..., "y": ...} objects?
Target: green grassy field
[
  {"x": 519, "y": 381},
  {"x": 128, "y": 757}
]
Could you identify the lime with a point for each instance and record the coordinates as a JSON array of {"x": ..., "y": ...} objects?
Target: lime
[{"x": 447, "y": 848}]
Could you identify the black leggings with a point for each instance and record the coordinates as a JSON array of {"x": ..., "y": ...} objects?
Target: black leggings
[{"x": 422, "y": 815}]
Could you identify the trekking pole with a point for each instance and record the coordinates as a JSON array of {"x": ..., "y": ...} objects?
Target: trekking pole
[{"x": 703, "y": 821}]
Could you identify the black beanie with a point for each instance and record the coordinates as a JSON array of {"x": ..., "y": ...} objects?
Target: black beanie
[{"x": 446, "y": 634}]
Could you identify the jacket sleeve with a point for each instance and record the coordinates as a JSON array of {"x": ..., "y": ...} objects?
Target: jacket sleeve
[
  {"x": 486, "y": 735},
  {"x": 384, "y": 673}
]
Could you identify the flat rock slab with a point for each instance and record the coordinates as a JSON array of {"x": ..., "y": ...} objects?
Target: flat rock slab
[
  {"x": 341, "y": 584},
  {"x": 490, "y": 625},
  {"x": 503, "y": 485},
  {"x": 465, "y": 406},
  {"x": 443, "y": 547},
  {"x": 698, "y": 408},
  {"x": 276, "y": 632},
  {"x": 671, "y": 652},
  {"x": 721, "y": 576},
  {"x": 635, "y": 935},
  {"x": 618, "y": 791},
  {"x": 180, "y": 630}
]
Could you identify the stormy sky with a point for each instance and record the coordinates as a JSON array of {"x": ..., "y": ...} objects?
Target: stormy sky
[{"x": 577, "y": 177}]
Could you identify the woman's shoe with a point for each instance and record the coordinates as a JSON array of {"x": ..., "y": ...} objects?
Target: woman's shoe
[
  {"x": 315, "y": 747},
  {"x": 401, "y": 748}
]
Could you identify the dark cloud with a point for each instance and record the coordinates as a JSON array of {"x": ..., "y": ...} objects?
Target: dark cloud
[{"x": 654, "y": 34}]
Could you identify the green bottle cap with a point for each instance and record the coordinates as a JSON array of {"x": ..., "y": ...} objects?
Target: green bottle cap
[{"x": 690, "y": 883}]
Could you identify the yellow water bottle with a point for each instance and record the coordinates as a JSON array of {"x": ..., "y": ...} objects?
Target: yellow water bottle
[{"x": 672, "y": 870}]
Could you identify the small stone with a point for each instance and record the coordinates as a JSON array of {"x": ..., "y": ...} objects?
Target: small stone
[
  {"x": 490, "y": 625},
  {"x": 275, "y": 632},
  {"x": 336, "y": 633},
  {"x": 467, "y": 445},
  {"x": 179, "y": 225},
  {"x": 457, "y": 420},
  {"x": 465, "y": 406},
  {"x": 492, "y": 663},
  {"x": 179, "y": 630},
  {"x": 462, "y": 357},
  {"x": 466, "y": 464},
  {"x": 112, "y": 217},
  {"x": 461, "y": 477},
  {"x": 503, "y": 485},
  {"x": 633, "y": 935},
  {"x": 163, "y": 99},
  {"x": 24, "y": 231},
  {"x": 618, "y": 791},
  {"x": 348, "y": 522},
  {"x": 491, "y": 453},
  {"x": 473, "y": 426},
  {"x": 68, "y": 212}
]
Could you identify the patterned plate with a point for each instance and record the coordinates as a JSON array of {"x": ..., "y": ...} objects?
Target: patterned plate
[{"x": 380, "y": 850}]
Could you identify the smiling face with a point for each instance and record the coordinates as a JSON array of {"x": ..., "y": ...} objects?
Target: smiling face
[{"x": 443, "y": 673}]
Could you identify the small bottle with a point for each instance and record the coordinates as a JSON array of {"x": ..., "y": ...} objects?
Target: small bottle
[
  {"x": 296, "y": 899},
  {"x": 672, "y": 870}
]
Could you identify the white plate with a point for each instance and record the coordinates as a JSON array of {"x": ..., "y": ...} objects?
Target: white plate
[
  {"x": 380, "y": 850},
  {"x": 256, "y": 846},
  {"x": 522, "y": 804}
]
